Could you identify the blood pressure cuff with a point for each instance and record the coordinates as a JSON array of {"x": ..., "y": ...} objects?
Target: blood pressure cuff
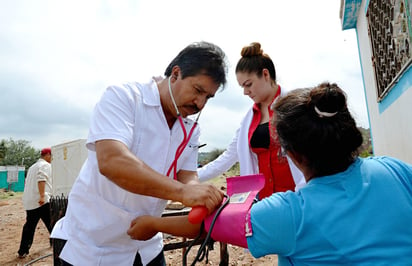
[{"x": 233, "y": 223}]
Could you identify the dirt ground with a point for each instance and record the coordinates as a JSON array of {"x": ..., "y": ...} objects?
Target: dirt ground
[{"x": 12, "y": 218}]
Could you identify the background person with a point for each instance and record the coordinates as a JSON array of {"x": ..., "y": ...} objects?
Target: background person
[
  {"x": 353, "y": 211},
  {"x": 36, "y": 196},
  {"x": 142, "y": 152},
  {"x": 252, "y": 146}
]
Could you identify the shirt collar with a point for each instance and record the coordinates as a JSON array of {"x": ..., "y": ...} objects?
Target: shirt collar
[
  {"x": 151, "y": 97},
  {"x": 150, "y": 93}
]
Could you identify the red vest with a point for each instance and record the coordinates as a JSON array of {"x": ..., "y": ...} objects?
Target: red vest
[{"x": 272, "y": 164}]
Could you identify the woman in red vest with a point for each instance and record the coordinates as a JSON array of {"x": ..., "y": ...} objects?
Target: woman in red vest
[{"x": 252, "y": 145}]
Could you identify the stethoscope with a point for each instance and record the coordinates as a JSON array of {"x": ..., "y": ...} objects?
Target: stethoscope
[
  {"x": 203, "y": 248},
  {"x": 186, "y": 137}
]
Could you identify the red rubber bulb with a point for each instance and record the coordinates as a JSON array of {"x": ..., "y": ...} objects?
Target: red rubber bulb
[{"x": 197, "y": 214}]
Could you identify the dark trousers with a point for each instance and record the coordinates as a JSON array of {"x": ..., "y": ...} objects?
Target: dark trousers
[
  {"x": 159, "y": 260},
  {"x": 29, "y": 228}
]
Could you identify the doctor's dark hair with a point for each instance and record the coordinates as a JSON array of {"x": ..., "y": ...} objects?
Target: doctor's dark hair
[
  {"x": 316, "y": 124},
  {"x": 254, "y": 61},
  {"x": 201, "y": 58}
]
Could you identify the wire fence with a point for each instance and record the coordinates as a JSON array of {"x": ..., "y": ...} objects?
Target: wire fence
[{"x": 58, "y": 206}]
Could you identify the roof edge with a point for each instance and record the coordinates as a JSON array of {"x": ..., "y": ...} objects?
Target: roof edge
[{"x": 348, "y": 13}]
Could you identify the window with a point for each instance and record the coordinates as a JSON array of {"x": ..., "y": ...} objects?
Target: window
[{"x": 390, "y": 33}]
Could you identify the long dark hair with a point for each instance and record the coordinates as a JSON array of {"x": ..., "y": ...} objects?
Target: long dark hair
[{"x": 316, "y": 123}]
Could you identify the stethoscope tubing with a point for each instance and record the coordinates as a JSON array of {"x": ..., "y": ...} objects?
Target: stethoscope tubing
[
  {"x": 186, "y": 138},
  {"x": 181, "y": 147}
]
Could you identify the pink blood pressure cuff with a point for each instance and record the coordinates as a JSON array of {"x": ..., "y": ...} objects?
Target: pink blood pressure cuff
[{"x": 233, "y": 223}]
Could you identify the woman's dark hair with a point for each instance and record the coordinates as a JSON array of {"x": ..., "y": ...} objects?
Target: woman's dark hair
[
  {"x": 316, "y": 124},
  {"x": 254, "y": 61},
  {"x": 201, "y": 58}
]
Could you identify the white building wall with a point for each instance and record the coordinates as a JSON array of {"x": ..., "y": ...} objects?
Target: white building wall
[
  {"x": 391, "y": 129},
  {"x": 394, "y": 129}
]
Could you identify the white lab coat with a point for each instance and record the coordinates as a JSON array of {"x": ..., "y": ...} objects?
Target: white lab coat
[
  {"x": 99, "y": 212},
  {"x": 239, "y": 151}
]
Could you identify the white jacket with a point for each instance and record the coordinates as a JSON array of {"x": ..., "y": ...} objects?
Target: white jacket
[
  {"x": 99, "y": 212},
  {"x": 239, "y": 151}
]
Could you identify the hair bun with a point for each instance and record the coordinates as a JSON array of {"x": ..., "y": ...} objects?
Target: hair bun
[
  {"x": 328, "y": 99},
  {"x": 253, "y": 49}
]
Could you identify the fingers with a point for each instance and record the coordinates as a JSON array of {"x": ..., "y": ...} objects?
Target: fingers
[
  {"x": 212, "y": 201},
  {"x": 216, "y": 197},
  {"x": 133, "y": 222},
  {"x": 203, "y": 195},
  {"x": 133, "y": 232},
  {"x": 141, "y": 228},
  {"x": 130, "y": 232}
]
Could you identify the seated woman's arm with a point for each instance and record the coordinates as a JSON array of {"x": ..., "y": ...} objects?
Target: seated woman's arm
[{"x": 145, "y": 227}]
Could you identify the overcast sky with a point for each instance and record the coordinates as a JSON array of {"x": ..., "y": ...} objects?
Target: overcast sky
[{"x": 57, "y": 57}]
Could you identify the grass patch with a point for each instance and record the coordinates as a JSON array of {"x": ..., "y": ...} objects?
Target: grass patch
[
  {"x": 220, "y": 181},
  {"x": 5, "y": 194}
]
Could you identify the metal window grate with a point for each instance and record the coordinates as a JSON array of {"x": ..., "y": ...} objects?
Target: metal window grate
[{"x": 390, "y": 33}]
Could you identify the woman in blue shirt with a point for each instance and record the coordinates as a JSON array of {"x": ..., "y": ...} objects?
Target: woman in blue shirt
[{"x": 353, "y": 211}]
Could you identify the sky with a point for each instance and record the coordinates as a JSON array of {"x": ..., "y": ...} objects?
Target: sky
[{"x": 58, "y": 57}]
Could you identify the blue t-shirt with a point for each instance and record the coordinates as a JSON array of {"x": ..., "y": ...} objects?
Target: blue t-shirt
[{"x": 362, "y": 216}]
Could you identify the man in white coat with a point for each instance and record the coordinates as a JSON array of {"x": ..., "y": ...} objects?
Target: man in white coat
[{"x": 142, "y": 152}]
